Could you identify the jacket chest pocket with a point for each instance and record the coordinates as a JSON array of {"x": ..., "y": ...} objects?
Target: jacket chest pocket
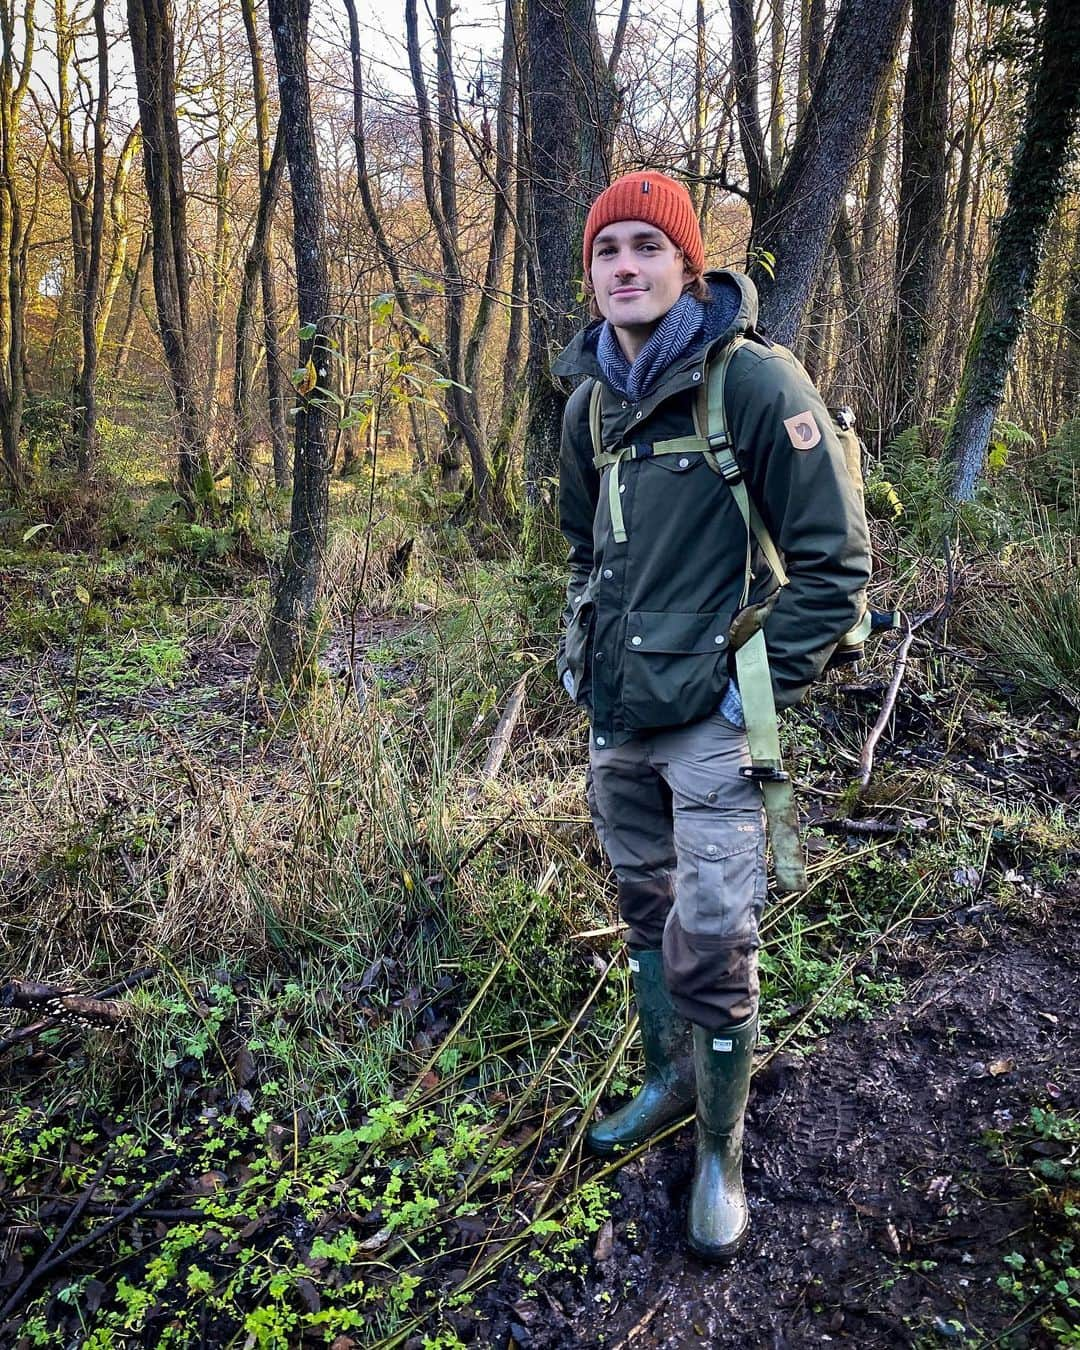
[{"x": 675, "y": 665}]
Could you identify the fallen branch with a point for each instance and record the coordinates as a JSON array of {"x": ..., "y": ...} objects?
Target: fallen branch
[
  {"x": 873, "y": 829},
  {"x": 53, "y": 1259},
  {"x": 500, "y": 741},
  {"x": 866, "y": 758},
  {"x": 96, "y": 1008}
]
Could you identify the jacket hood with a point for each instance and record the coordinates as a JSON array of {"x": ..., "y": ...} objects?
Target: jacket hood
[{"x": 732, "y": 309}]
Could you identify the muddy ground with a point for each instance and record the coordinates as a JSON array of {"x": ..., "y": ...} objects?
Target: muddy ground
[{"x": 881, "y": 1209}]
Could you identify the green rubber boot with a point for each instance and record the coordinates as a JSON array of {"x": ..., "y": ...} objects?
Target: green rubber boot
[
  {"x": 718, "y": 1218},
  {"x": 668, "y": 1089}
]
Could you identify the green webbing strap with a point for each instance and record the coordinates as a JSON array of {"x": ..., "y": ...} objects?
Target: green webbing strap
[
  {"x": 752, "y": 657},
  {"x": 759, "y": 712},
  {"x": 677, "y": 445}
]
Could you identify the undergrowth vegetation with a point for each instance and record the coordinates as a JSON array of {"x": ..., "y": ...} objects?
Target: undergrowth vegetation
[{"x": 373, "y": 994}]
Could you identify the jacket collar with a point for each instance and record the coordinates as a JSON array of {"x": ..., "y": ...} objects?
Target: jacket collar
[{"x": 579, "y": 357}]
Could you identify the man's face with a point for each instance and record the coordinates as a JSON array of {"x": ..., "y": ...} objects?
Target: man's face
[{"x": 637, "y": 275}]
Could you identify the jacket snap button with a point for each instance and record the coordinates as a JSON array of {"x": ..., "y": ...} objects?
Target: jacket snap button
[
  {"x": 697, "y": 375},
  {"x": 683, "y": 462},
  {"x": 637, "y": 416},
  {"x": 624, "y": 403},
  {"x": 719, "y": 639},
  {"x": 636, "y": 641},
  {"x": 622, "y": 487},
  {"x": 712, "y": 850},
  {"x": 599, "y": 656},
  {"x": 577, "y": 599},
  {"x": 711, "y": 797},
  {"x": 608, "y": 573},
  {"x": 600, "y": 740}
]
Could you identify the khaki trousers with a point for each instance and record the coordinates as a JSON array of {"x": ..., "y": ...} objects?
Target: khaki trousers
[{"x": 685, "y": 836}]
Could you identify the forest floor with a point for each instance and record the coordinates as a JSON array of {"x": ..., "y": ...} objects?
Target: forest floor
[
  {"x": 377, "y": 1000},
  {"x": 891, "y": 1173}
]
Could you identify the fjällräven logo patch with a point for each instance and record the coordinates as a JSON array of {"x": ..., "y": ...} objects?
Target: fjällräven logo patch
[{"x": 803, "y": 430}]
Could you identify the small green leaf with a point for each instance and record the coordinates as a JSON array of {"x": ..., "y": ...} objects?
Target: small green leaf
[
  {"x": 35, "y": 530},
  {"x": 308, "y": 331},
  {"x": 82, "y": 595}
]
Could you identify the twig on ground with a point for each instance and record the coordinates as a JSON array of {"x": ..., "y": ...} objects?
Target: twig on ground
[{"x": 872, "y": 829}]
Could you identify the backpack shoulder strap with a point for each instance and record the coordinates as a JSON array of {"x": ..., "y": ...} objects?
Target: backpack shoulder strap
[
  {"x": 596, "y": 416},
  {"x": 711, "y": 421}
]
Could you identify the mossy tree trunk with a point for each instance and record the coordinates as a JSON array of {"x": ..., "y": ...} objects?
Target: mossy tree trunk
[
  {"x": 289, "y": 647},
  {"x": 1036, "y": 184}
]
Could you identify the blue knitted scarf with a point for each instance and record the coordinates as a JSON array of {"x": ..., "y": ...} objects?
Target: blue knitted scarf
[{"x": 674, "y": 335}]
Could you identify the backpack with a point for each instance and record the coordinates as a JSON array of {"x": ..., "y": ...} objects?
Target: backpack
[{"x": 747, "y": 638}]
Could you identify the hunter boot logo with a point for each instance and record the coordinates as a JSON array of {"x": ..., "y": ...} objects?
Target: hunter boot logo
[{"x": 803, "y": 430}]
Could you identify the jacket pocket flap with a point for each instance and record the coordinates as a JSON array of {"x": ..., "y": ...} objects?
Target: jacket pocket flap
[
  {"x": 669, "y": 631},
  {"x": 676, "y": 463}
]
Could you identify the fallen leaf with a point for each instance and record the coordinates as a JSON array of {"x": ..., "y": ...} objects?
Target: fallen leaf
[
  {"x": 604, "y": 1242},
  {"x": 1000, "y": 1066}
]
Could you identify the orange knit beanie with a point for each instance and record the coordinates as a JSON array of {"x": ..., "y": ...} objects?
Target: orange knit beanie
[{"x": 652, "y": 197}]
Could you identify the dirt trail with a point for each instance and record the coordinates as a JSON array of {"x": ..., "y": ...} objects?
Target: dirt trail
[{"x": 881, "y": 1211}]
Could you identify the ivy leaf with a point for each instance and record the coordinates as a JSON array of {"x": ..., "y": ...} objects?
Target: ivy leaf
[{"x": 304, "y": 378}]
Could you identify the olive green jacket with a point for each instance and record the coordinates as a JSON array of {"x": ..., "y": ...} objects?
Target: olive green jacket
[{"x": 646, "y": 623}]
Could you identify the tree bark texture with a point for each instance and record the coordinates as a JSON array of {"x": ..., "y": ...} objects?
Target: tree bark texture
[
  {"x": 244, "y": 371},
  {"x": 151, "y": 28},
  {"x": 744, "y": 58},
  {"x": 87, "y": 390},
  {"x": 922, "y": 204},
  {"x": 289, "y": 646},
  {"x": 801, "y": 214},
  {"x": 276, "y": 389},
  {"x": 439, "y": 172},
  {"x": 14, "y": 80},
  {"x": 564, "y": 156},
  {"x": 1036, "y": 183}
]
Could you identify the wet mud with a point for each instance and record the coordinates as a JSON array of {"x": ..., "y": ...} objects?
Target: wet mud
[{"x": 882, "y": 1202}]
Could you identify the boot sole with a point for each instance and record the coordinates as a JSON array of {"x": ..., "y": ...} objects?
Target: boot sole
[{"x": 719, "y": 1255}]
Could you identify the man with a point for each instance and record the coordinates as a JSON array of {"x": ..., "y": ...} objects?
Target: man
[{"x": 658, "y": 570}]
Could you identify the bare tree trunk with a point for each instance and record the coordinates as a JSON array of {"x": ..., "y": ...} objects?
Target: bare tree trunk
[
  {"x": 564, "y": 155},
  {"x": 803, "y": 208},
  {"x": 744, "y": 64},
  {"x": 14, "y": 80},
  {"x": 151, "y": 29},
  {"x": 1036, "y": 183},
  {"x": 244, "y": 372},
  {"x": 119, "y": 218},
  {"x": 290, "y": 637},
  {"x": 777, "y": 114},
  {"x": 695, "y": 164},
  {"x": 87, "y": 405},
  {"x": 440, "y": 191},
  {"x": 1070, "y": 354},
  {"x": 138, "y": 276},
  {"x": 921, "y": 210},
  {"x": 811, "y": 51},
  {"x": 504, "y": 151}
]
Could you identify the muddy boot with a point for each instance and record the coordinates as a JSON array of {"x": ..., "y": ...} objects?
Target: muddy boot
[
  {"x": 718, "y": 1218},
  {"x": 668, "y": 1089}
]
